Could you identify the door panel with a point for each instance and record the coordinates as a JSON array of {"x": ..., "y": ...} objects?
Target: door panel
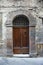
[
  {"x": 17, "y": 51},
  {"x": 25, "y": 37},
  {"x": 20, "y": 40},
  {"x": 21, "y": 50},
  {"x": 16, "y": 37}
]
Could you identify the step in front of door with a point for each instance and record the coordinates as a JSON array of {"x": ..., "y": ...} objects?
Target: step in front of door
[{"x": 21, "y": 55}]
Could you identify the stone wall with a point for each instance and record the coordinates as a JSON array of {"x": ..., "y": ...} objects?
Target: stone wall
[{"x": 33, "y": 10}]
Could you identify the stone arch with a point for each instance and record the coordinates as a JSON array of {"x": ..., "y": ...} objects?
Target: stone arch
[
  {"x": 28, "y": 14},
  {"x": 10, "y": 17}
]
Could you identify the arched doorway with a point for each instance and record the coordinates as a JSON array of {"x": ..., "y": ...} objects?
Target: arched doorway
[{"x": 21, "y": 35}]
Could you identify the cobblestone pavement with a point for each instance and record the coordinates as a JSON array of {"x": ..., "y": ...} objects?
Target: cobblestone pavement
[{"x": 21, "y": 61}]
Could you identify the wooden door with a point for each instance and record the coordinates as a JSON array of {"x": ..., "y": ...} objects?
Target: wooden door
[{"x": 20, "y": 40}]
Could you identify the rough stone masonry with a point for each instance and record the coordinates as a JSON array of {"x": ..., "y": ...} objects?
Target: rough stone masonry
[{"x": 33, "y": 9}]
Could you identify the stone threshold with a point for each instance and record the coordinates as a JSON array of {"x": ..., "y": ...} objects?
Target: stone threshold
[{"x": 21, "y": 55}]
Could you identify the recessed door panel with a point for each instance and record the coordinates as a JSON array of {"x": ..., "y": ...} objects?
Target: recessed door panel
[
  {"x": 25, "y": 37},
  {"x": 16, "y": 37}
]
